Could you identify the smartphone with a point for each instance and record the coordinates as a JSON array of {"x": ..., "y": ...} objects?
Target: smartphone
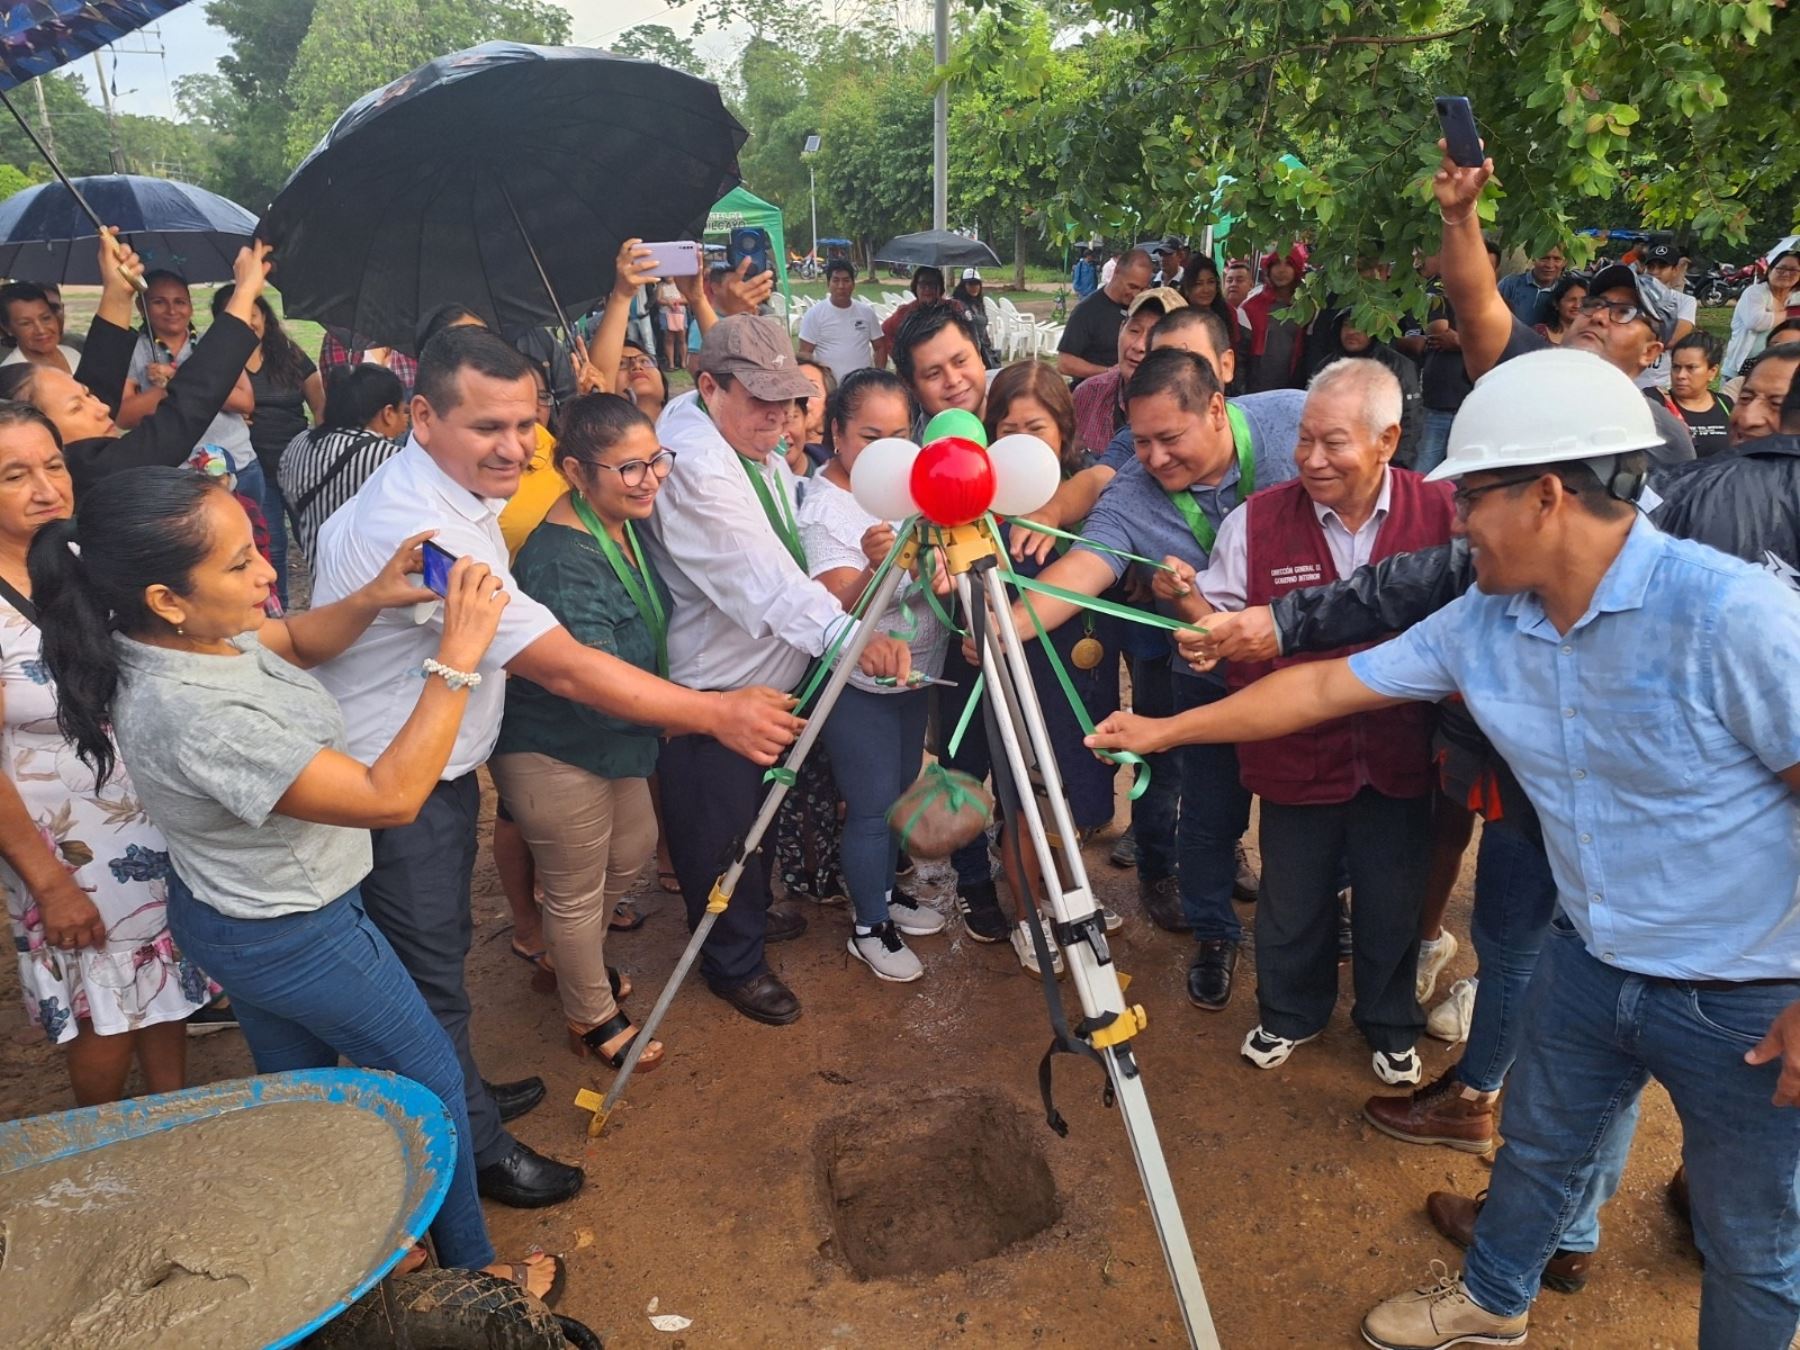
[
  {"x": 748, "y": 242},
  {"x": 438, "y": 562},
  {"x": 1461, "y": 141},
  {"x": 675, "y": 258}
]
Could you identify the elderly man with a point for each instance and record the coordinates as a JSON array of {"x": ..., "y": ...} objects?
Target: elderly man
[
  {"x": 1196, "y": 459},
  {"x": 474, "y": 429},
  {"x": 1526, "y": 292},
  {"x": 1100, "y": 402},
  {"x": 1655, "y": 781},
  {"x": 745, "y": 614},
  {"x": 1089, "y": 344},
  {"x": 1357, "y": 791}
]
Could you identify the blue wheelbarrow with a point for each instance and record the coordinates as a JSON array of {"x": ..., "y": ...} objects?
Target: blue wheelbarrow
[{"x": 427, "y": 1310}]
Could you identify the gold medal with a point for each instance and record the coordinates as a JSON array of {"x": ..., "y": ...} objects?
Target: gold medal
[{"x": 1087, "y": 653}]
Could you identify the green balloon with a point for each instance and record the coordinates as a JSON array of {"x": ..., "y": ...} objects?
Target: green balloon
[{"x": 956, "y": 422}]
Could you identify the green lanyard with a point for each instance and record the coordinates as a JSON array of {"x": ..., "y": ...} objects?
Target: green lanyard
[
  {"x": 640, "y": 586},
  {"x": 781, "y": 521},
  {"x": 1197, "y": 523}
]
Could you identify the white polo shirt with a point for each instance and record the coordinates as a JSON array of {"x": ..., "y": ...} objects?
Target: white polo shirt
[{"x": 377, "y": 681}]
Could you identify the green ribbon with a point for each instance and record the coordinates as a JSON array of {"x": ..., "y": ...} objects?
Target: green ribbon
[
  {"x": 944, "y": 781},
  {"x": 968, "y": 714},
  {"x": 641, "y": 587},
  {"x": 782, "y": 521},
  {"x": 1198, "y": 525},
  {"x": 1020, "y": 523}
]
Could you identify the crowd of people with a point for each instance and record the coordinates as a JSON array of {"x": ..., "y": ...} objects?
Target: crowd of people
[{"x": 1525, "y": 563}]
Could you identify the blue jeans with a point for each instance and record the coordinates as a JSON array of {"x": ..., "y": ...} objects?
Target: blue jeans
[
  {"x": 1593, "y": 1036},
  {"x": 1515, "y": 894},
  {"x": 311, "y": 988},
  {"x": 1215, "y": 812},
  {"x": 1153, "y": 815},
  {"x": 1434, "y": 444},
  {"x": 274, "y": 507},
  {"x": 876, "y": 742}
]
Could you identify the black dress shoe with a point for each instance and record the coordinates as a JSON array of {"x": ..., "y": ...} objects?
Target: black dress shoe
[
  {"x": 784, "y": 924},
  {"x": 528, "y": 1180},
  {"x": 1209, "y": 977},
  {"x": 764, "y": 999},
  {"x": 1161, "y": 900},
  {"x": 515, "y": 1099}
]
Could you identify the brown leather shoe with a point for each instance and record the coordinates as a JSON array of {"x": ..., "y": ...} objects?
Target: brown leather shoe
[
  {"x": 1442, "y": 1112},
  {"x": 1453, "y": 1215}
]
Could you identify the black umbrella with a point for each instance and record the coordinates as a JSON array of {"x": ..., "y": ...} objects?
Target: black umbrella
[
  {"x": 499, "y": 178},
  {"x": 936, "y": 248},
  {"x": 46, "y": 235}
]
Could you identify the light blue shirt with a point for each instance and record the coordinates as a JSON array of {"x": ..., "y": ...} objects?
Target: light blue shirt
[{"x": 1649, "y": 738}]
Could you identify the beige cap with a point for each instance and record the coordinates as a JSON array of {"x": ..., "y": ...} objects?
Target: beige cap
[
  {"x": 1167, "y": 298},
  {"x": 756, "y": 350}
]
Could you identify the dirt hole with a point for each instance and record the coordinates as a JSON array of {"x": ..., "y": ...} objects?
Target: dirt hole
[{"x": 932, "y": 1182}]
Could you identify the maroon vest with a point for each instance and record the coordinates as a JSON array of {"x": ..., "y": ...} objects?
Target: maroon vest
[{"x": 1389, "y": 750}]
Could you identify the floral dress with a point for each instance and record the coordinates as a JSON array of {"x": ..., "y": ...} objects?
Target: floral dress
[{"x": 138, "y": 978}]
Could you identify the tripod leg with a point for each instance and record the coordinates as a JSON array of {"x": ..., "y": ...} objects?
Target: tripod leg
[{"x": 1090, "y": 964}]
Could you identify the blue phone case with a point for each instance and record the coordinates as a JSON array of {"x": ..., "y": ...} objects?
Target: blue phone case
[{"x": 438, "y": 562}]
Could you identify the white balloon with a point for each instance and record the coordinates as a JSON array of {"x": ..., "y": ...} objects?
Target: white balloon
[
  {"x": 881, "y": 479},
  {"x": 1026, "y": 473}
]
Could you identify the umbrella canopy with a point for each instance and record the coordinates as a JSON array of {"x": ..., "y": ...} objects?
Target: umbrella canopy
[
  {"x": 46, "y": 237},
  {"x": 38, "y": 36},
  {"x": 936, "y": 248},
  {"x": 456, "y": 182}
]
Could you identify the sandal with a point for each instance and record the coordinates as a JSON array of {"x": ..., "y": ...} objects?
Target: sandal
[
  {"x": 593, "y": 1042},
  {"x": 543, "y": 976},
  {"x": 520, "y": 1274},
  {"x": 620, "y": 986},
  {"x": 624, "y": 918}
]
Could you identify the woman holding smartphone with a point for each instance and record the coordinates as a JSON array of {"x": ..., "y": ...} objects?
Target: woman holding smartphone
[{"x": 151, "y": 607}]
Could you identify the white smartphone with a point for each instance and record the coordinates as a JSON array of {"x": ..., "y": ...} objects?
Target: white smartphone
[{"x": 675, "y": 258}]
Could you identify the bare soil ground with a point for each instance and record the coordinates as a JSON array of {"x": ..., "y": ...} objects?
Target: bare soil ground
[{"x": 912, "y": 1109}]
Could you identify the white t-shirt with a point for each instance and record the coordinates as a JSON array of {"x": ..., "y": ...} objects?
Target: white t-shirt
[
  {"x": 69, "y": 354},
  {"x": 832, "y": 525},
  {"x": 843, "y": 339},
  {"x": 1657, "y": 376}
]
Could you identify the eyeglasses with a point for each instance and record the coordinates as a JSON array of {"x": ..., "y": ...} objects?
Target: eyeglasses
[
  {"x": 1464, "y": 498},
  {"x": 630, "y": 365},
  {"x": 1618, "y": 311},
  {"x": 631, "y": 472}
]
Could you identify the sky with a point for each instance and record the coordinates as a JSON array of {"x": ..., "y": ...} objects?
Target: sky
[{"x": 144, "y": 67}]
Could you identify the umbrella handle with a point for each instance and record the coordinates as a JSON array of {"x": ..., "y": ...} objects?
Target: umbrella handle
[{"x": 81, "y": 201}]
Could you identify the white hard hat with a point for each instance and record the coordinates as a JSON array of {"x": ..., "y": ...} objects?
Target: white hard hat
[{"x": 1548, "y": 407}]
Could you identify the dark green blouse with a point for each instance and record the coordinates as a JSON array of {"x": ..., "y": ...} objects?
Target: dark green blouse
[{"x": 563, "y": 568}]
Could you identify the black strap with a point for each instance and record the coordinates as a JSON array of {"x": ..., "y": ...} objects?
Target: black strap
[
  {"x": 336, "y": 471},
  {"x": 19, "y": 601}
]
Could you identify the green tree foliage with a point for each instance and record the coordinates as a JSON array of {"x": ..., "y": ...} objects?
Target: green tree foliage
[
  {"x": 13, "y": 179},
  {"x": 661, "y": 44},
  {"x": 78, "y": 129},
  {"x": 246, "y": 105},
  {"x": 353, "y": 46},
  {"x": 875, "y": 161}
]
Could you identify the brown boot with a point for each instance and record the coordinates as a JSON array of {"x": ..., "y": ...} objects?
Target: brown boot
[
  {"x": 1453, "y": 1215},
  {"x": 1442, "y": 1112}
]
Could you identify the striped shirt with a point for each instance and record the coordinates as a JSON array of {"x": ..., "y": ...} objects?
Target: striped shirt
[{"x": 307, "y": 461}]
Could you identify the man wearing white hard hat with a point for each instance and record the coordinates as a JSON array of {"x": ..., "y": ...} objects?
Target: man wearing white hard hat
[{"x": 1642, "y": 689}]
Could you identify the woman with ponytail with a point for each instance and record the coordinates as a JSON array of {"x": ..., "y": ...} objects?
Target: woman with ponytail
[
  {"x": 85, "y": 873},
  {"x": 151, "y": 606}
]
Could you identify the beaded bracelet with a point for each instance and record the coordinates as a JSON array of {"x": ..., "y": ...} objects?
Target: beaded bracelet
[{"x": 456, "y": 679}]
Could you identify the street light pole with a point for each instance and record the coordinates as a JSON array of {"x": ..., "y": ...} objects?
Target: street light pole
[
  {"x": 812, "y": 193},
  {"x": 940, "y": 123}
]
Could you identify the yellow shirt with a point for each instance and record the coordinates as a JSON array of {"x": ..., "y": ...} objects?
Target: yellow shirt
[{"x": 539, "y": 489}]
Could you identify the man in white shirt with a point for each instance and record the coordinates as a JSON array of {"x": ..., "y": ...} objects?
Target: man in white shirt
[
  {"x": 1663, "y": 261},
  {"x": 726, "y": 542},
  {"x": 474, "y": 428},
  {"x": 844, "y": 333}
]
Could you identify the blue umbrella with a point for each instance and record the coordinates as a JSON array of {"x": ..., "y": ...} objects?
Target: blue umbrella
[
  {"x": 39, "y": 36},
  {"x": 46, "y": 236}
]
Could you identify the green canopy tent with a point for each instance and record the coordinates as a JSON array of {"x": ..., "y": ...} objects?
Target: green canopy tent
[{"x": 742, "y": 207}]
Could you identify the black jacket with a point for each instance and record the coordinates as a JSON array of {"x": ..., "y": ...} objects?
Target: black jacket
[
  {"x": 196, "y": 394},
  {"x": 1744, "y": 501}
]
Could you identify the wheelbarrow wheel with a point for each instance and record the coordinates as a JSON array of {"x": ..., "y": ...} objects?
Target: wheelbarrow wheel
[{"x": 449, "y": 1310}]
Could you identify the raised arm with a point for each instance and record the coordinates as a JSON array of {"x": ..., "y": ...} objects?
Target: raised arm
[
  {"x": 608, "y": 347},
  {"x": 1483, "y": 321}
]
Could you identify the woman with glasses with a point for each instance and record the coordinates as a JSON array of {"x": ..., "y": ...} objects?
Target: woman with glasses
[
  {"x": 575, "y": 780},
  {"x": 1760, "y": 308}
]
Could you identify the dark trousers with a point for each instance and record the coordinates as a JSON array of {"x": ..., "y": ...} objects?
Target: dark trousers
[
  {"x": 710, "y": 796},
  {"x": 1153, "y": 815},
  {"x": 418, "y": 896},
  {"x": 1385, "y": 843},
  {"x": 1215, "y": 812}
]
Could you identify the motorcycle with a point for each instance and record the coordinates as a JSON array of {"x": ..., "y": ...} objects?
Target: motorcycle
[{"x": 1720, "y": 284}]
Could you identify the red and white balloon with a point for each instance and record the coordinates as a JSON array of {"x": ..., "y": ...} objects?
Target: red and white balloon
[{"x": 952, "y": 480}]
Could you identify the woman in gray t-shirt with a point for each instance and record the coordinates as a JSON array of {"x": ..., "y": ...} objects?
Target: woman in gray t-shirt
[{"x": 150, "y": 602}]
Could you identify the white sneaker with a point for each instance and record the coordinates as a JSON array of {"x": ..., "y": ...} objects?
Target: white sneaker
[
  {"x": 1449, "y": 1021},
  {"x": 1267, "y": 1050},
  {"x": 912, "y": 918},
  {"x": 1434, "y": 955},
  {"x": 883, "y": 952},
  {"x": 1397, "y": 1067},
  {"x": 1113, "y": 922},
  {"x": 1027, "y": 953}
]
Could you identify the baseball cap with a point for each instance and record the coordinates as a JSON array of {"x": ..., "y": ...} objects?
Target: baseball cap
[
  {"x": 1656, "y": 302},
  {"x": 1165, "y": 298},
  {"x": 756, "y": 350},
  {"x": 1661, "y": 254},
  {"x": 971, "y": 274}
]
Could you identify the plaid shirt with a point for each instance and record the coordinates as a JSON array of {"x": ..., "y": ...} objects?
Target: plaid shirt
[
  {"x": 333, "y": 354},
  {"x": 1098, "y": 414}
]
